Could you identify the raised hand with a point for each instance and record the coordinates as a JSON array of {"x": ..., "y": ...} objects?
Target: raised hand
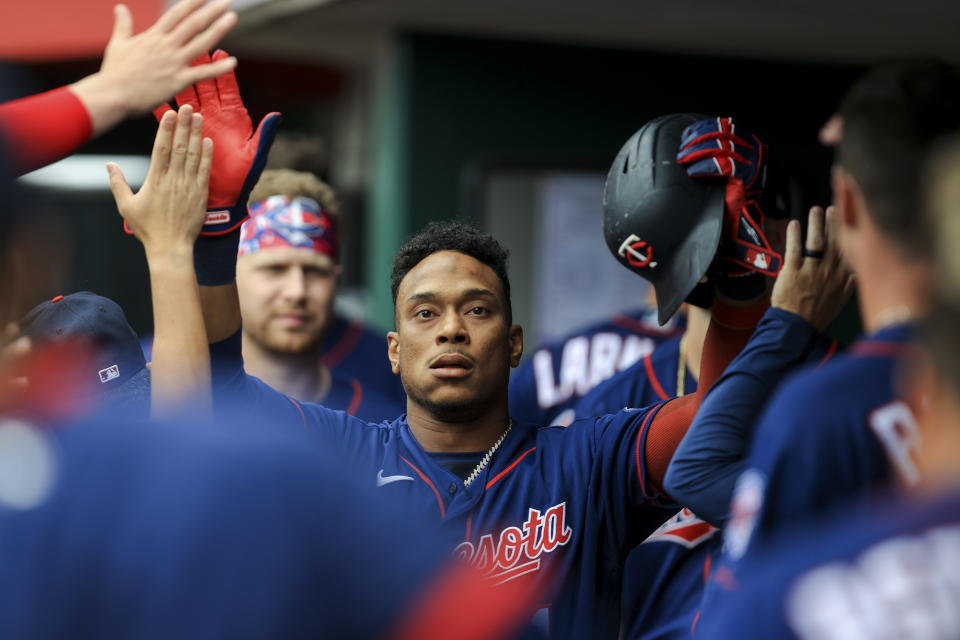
[
  {"x": 814, "y": 283},
  {"x": 140, "y": 71},
  {"x": 240, "y": 152},
  {"x": 166, "y": 215},
  {"x": 720, "y": 148}
]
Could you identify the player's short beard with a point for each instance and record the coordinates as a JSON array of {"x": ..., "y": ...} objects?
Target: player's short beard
[
  {"x": 451, "y": 411},
  {"x": 285, "y": 346}
]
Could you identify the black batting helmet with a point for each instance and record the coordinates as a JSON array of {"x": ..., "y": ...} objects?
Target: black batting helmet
[{"x": 659, "y": 222}]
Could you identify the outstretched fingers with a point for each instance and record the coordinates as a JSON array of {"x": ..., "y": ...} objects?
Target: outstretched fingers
[
  {"x": 792, "y": 253},
  {"x": 194, "y": 146},
  {"x": 162, "y": 143},
  {"x": 206, "y": 162},
  {"x": 198, "y": 20},
  {"x": 209, "y": 37},
  {"x": 122, "y": 193},
  {"x": 181, "y": 137},
  {"x": 175, "y": 14},
  {"x": 122, "y": 23}
]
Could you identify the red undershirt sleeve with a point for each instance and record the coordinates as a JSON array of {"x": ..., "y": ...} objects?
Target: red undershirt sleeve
[
  {"x": 730, "y": 328},
  {"x": 44, "y": 128}
]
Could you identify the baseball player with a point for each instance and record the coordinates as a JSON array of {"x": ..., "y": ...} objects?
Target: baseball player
[
  {"x": 887, "y": 571},
  {"x": 550, "y": 382},
  {"x": 552, "y": 508},
  {"x": 288, "y": 271},
  {"x": 118, "y": 374},
  {"x": 664, "y": 577},
  {"x": 839, "y": 431},
  {"x": 137, "y": 73}
]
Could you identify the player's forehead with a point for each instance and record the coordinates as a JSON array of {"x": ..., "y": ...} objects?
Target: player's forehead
[
  {"x": 447, "y": 274},
  {"x": 286, "y": 257}
]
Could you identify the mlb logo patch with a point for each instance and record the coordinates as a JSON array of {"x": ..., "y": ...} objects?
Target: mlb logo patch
[{"x": 110, "y": 373}]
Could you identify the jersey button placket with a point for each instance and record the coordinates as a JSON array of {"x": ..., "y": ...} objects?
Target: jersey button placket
[{"x": 452, "y": 489}]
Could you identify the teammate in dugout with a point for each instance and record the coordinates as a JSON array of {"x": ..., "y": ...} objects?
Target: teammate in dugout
[
  {"x": 137, "y": 73},
  {"x": 288, "y": 273},
  {"x": 664, "y": 577},
  {"x": 888, "y": 570},
  {"x": 550, "y": 382},
  {"x": 812, "y": 451},
  {"x": 555, "y": 509}
]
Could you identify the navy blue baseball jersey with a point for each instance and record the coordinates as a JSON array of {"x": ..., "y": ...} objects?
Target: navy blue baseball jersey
[
  {"x": 359, "y": 357},
  {"x": 558, "y": 508},
  {"x": 556, "y": 375},
  {"x": 115, "y": 530},
  {"x": 827, "y": 435},
  {"x": 353, "y": 350},
  {"x": 714, "y": 451},
  {"x": 346, "y": 393},
  {"x": 664, "y": 578},
  {"x": 651, "y": 379},
  {"x": 886, "y": 574}
]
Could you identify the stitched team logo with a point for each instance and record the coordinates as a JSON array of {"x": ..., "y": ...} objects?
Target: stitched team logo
[
  {"x": 684, "y": 528},
  {"x": 637, "y": 252},
  {"x": 518, "y": 550}
]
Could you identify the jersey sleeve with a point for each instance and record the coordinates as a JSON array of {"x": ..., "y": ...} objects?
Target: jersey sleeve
[
  {"x": 44, "y": 128},
  {"x": 811, "y": 452},
  {"x": 712, "y": 454},
  {"x": 633, "y": 448},
  {"x": 629, "y": 388},
  {"x": 238, "y": 394}
]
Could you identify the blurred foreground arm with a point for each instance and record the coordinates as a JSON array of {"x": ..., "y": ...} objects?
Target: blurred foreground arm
[
  {"x": 166, "y": 216},
  {"x": 138, "y": 73}
]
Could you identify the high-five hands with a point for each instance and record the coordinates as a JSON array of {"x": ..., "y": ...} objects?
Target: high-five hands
[
  {"x": 813, "y": 283},
  {"x": 166, "y": 215},
  {"x": 140, "y": 71},
  {"x": 240, "y": 152}
]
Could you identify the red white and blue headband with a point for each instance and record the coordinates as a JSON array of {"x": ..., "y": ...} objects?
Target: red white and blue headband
[{"x": 281, "y": 221}]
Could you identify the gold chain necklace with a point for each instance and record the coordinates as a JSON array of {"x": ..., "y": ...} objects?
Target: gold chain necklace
[{"x": 486, "y": 458}]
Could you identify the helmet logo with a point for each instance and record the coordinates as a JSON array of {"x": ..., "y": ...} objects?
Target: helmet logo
[{"x": 637, "y": 252}]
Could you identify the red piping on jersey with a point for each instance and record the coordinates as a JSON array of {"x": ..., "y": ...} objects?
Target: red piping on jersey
[
  {"x": 343, "y": 347},
  {"x": 693, "y": 627},
  {"x": 706, "y": 568},
  {"x": 832, "y": 350},
  {"x": 508, "y": 469},
  {"x": 652, "y": 377},
  {"x": 443, "y": 511},
  {"x": 469, "y": 527},
  {"x": 299, "y": 408},
  {"x": 882, "y": 349},
  {"x": 357, "y": 397},
  {"x": 643, "y": 429}
]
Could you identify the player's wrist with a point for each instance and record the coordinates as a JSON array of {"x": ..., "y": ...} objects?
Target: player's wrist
[
  {"x": 105, "y": 99},
  {"x": 169, "y": 257}
]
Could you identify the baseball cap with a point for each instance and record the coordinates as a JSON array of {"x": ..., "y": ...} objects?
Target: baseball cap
[{"x": 118, "y": 369}]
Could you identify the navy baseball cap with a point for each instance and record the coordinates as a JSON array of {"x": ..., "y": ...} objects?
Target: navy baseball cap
[{"x": 118, "y": 369}]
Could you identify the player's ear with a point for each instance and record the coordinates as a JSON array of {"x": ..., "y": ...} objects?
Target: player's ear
[
  {"x": 845, "y": 196},
  {"x": 516, "y": 344},
  {"x": 393, "y": 351}
]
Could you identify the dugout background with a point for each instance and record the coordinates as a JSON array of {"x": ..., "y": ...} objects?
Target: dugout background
[{"x": 416, "y": 135}]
